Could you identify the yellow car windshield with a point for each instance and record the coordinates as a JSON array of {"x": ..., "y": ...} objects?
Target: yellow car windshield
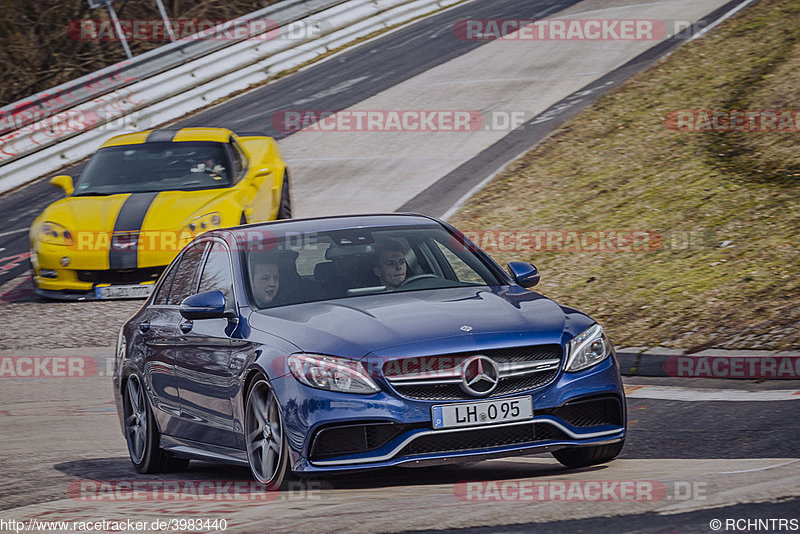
[{"x": 149, "y": 167}]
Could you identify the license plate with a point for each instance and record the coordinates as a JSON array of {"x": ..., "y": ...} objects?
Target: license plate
[
  {"x": 482, "y": 412},
  {"x": 124, "y": 292}
]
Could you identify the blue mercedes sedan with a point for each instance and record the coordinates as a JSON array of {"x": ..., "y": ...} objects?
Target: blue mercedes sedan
[{"x": 313, "y": 346}]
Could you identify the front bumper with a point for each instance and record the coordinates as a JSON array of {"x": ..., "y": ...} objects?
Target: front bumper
[
  {"x": 73, "y": 292},
  {"x": 330, "y": 432},
  {"x": 85, "y": 270}
]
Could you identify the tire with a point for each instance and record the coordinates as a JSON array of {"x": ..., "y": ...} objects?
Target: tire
[
  {"x": 285, "y": 206},
  {"x": 141, "y": 432},
  {"x": 267, "y": 448},
  {"x": 586, "y": 456}
]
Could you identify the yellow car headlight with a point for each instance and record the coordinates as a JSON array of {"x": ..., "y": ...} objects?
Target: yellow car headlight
[{"x": 55, "y": 234}]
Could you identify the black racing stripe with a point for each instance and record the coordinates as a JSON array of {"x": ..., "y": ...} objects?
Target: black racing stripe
[
  {"x": 129, "y": 219},
  {"x": 161, "y": 136}
]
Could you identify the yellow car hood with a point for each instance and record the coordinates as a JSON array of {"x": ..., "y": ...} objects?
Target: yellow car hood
[
  {"x": 159, "y": 218},
  {"x": 94, "y": 214},
  {"x": 173, "y": 210},
  {"x": 168, "y": 210}
]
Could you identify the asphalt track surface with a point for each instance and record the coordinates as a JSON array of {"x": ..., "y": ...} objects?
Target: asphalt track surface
[{"x": 710, "y": 459}]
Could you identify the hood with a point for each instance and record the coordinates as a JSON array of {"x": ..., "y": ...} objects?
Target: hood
[
  {"x": 419, "y": 322},
  {"x": 96, "y": 214},
  {"x": 172, "y": 210},
  {"x": 167, "y": 210}
]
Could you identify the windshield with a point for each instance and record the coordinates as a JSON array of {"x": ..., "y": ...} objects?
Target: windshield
[
  {"x": 363, "y": 261},
  {"x": 155, "y": 167}
]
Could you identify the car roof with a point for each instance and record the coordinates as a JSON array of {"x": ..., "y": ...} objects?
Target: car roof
[
  {"x": 178, "y": 135},
  {"x": 329, "y": 223}
]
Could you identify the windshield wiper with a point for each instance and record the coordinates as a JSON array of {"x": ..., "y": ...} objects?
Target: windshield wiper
[{"x": 92, "y": 194}]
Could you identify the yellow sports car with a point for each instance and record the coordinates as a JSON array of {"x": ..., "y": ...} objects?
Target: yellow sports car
[{"x": 141, "y": 198}]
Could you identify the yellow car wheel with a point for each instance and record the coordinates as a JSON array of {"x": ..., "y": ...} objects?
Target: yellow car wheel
[{"x": 285, "y": 207}]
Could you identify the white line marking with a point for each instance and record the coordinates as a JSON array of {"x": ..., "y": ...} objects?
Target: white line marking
[
  {"x": 677, "y": 393},
  {"x": 522, "y": 79},
  {"x": 720, "y": 20},
  {"x": 17, "y": 231},
  {"x": 336, "y": 89},
  {"x": 759, "y": 468},
  {"x": 368, "y": 158}
]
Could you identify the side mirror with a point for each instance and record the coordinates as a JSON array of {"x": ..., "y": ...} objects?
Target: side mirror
[
  {"x": 64, "y": 182},
  {"x": 524, "y": 273},
  {"x": 205, "y": 305}
]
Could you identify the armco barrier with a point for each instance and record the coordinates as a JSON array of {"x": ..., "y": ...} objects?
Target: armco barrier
[
  {"x": 75, "y": 132},
  {"x": 86, "y": 88}
]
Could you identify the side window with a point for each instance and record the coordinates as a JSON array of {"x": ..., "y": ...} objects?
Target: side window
[
  {"x": 163, "y": 291},
  {"x": 217, "y": 272},
  {"x": 186, "y": 273},
  {"x": 238, "y": 158}
]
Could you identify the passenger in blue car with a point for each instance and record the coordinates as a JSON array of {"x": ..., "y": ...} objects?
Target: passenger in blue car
[
  {"x": 390, "y": 264},
  {"x": 266, "y": 281}
]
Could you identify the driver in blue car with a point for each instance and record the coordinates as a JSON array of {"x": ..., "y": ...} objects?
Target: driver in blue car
[{"x": 390, "y": 264}]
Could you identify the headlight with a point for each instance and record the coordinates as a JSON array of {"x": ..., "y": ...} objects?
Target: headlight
[
  {"x": 588, "y": 348},
  {"x": 204, "y": 223},
  {"x": 54, "y": 234},
  {"x": 332, "y": 374}
]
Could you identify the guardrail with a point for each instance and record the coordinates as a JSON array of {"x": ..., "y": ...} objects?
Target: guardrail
[
  {"x": 174, "y": 80},
  {"x": 62, "y": 97}
]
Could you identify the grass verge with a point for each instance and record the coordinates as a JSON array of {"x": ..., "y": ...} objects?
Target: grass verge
[{"x": 726, "y": 269}]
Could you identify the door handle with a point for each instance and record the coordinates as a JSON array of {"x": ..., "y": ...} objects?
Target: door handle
[
  {"x": 186, "y": 326},
  {"x": 144, "y": 326}
]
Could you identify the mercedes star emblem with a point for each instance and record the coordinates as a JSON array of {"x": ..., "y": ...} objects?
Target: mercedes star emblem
[{"x": 479, "y": 375}]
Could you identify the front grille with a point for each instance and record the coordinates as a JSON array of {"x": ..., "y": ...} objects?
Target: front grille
[
  {"x": 350, "y": 439},
  {"x": 439, "y": 390},
  {"x": 584, "y": 413},
  {"x": 484, "y": 438},
  {"x": 126, "y": 276}
]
